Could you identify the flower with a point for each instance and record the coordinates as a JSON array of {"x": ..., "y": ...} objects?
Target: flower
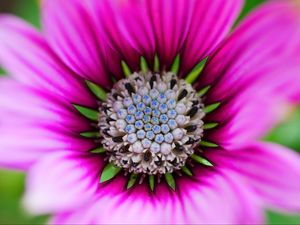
[{"x": 161, "y": 92}]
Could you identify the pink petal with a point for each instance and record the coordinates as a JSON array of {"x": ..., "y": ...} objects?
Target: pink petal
[
  {"x": 212, "y": 197},
  {"x": 33, "y": 123},
  {"x": 71, "y": 31},
  {"x": 260, "y": 45},
  {"x": 28, "y": 58},
  {"x": 242, "y": 119},
  {"x": 127, "y": 29},
  {"x": 143, "y": 28},
  {"x": 210, "y": 23},
  {"x": 61, "y": 181},
  {"x": 272, "y": 171},
  {"x": 251, "y": 71},
  {"x": 111, "y": 31},
  {"x": 171, "y": 22}
]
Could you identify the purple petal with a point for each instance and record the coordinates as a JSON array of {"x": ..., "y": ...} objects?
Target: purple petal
[
  {"x": 61, "y": 181},
  {"x": 212, "y": 197},
  {"x": 70, "y": 29},
  {"x": 33, "y": 123},
  {"x": 251, "y": 71},
  {"x": 270, "y": 170},
  {"x": 28, "y": 58}
]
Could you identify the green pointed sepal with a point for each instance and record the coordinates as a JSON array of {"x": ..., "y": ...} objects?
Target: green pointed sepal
[
  {"x": 90, "y": 114},
  {"x": 196, "y": 71},
  {"x": 126, "y": 70},
  {"x": 203, "y": 91},
  {"x": 151, "y": 183},
  {"x": 187, "y": 171},
  {"x": 109, "y": 172},
  {"x": 170, "y": 181},
  {"x": 99, "y": 150},
  {"x": 208, "y": 126},
  {"x": 208, "y": 144},
  {"x": 144, "y": 65},
  {"x": 156, "y": 66},
  {"x": 201, "y": 160},
  {"x": 176, "y": 64},
  {"x": 90, "y": 134},
  {"x": 99, "y": 92},
  {"x": 132, "y": 180},
  {"x": 211, "y": 108}
]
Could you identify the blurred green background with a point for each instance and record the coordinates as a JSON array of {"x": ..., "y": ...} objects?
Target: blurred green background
[{"x": 12, "y": 182}]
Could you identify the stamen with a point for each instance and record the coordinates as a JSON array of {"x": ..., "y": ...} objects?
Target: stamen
[
  {"x": 117, "y": 139},
  {"x": 191, "y": 128},
  {"x": 129, "y": 88},
  {"x": 150, "y": 124},
  {"x": 172, "y": 84},
  {"x": 192, "y": 111},
  {"x": 152, "y": 80},
  {"x": 182, "y": 94}
]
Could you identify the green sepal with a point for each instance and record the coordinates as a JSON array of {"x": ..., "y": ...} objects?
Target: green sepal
[
  {"x": 194, "y": 74},
  {"x": 175, "y": 65},
  {"x": 91, "y": 114},
  {"x": 113, "y": 79},
  {"x": 109, "y": 172},
  {"x": 90, "y": 134},
  {"x": 132, "y": 180},
  {"x": 97, "y": 90},
  {"x": 151, "y": 182},
  {"x": 2, "y": 72},
  {"x": 99, "y": 150},
  {"x": 126, "y": 70},
  {"x": 156, "y": 66},
  {"x": 208, "y": 144},
  {"x": 187, "y": 171},
  {"x": 170, "y": 181},
  {"x": 201, "y": 160},
  {"x": 208, "y": 126},
  {"x": 144, "y": 65},
  {"x": 212, "y": 107},
  {"x": 203, "y": 91}
]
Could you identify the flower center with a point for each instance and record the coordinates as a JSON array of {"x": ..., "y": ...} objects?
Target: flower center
[{"x": 150, "y": 123}]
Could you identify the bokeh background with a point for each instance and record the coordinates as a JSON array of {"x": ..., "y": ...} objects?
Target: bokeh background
[{"x": 12, "y": 183}]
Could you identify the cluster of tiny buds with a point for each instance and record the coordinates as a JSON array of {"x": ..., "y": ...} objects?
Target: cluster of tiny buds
[{"x": 151, "y": 123}]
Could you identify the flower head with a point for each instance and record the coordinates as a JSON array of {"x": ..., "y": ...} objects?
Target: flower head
[
  {"x": 151, "y": 123},
  {"x": 151, "y": 111}
]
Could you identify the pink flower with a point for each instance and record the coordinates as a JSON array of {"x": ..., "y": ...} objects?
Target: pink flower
[{"x": 250, "y": 79}]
